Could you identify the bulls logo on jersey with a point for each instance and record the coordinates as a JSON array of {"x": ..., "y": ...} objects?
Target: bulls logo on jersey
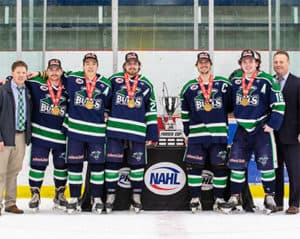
[
  {"x": 46, "y": 105},
  {"x": 215, "y": 101},
  {"x": 80, "y": 98},
  {"x": 122, "y": 97},
  {"x": 253, "y": 99}
]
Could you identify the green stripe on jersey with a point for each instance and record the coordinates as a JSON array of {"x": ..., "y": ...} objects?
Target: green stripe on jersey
[
  {"x": 48, "y": 134},
  {"x": 129, "y": 126}
]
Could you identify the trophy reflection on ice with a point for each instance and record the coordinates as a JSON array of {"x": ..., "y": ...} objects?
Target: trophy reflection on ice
[{"x": 171, "y": 135}]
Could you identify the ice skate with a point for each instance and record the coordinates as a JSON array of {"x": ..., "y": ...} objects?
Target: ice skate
[
  {"x": 73, "y": 206},
  {"x": 217, "y": 204},
  {"x": 269, "y": 203},
  {"x": 109, "y": 204},
  {"x": 234, "y": 203},
  {"x": 35, "y": 199},
  {"x": 136, "y": 202},
  {"x": 97, "y": 205},
  {"x": 195, "y": 204},
  {"x": 60, "y": 202}
]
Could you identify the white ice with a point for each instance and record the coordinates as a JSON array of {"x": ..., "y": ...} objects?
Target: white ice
[{"x": 49, "y": 224}]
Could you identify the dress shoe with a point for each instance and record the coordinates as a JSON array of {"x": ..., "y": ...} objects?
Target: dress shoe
[
  {"x": 14, "y": 209},
  {"x": 292, "y": 210},
  {"x": 278, "y": 209}
]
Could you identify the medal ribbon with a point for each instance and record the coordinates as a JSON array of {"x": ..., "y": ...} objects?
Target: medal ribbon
[
  {"x": 131, "y": 91},
  {"x": 90, "y": 87},
  {"x": 55, "y": 98},
  {"x": 206, "y": 93},
  {"x": 245, "y": 87}
]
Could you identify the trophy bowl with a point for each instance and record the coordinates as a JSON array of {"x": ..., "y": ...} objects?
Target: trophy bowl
[{"x": 170, "y": 104}]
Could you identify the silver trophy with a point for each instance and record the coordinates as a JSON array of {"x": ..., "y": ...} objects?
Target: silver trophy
[
  {"x": 170, "y": 104},
  {"x": 170, "y": 136}
]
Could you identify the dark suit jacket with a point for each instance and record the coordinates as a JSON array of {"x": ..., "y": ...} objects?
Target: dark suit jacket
[
  {"x": 7, "y": 115},
  {"x": 290, "y": 128}
]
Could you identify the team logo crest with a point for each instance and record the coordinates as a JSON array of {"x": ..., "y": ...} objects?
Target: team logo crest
[
  {"x": 79, "y": 81},
  {"x": 138, "y": 155},
  {"x": 122, "y": 97},
  {"x": 238, "y": 82},
  {"x": 194, "y": 87},
  {"x": 80, "y": 98},
  {"x": 222, "y": 155},
  {"x": 95, "y": 154},
  {"x": 216, "y": 102},
  {"x": 263, "y": 160},
  {"x": 253, "y": 99},
  {"x": 46, "y": 105},
  {"x": 44, "y": 88},
  {"x": 120, "y": 80}
]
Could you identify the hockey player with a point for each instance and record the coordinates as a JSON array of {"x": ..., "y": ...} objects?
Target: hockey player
[
  {"x": 90, "y": 96},
  {"x": 131, "y": 125},
  {"x": 49, "y": 107},
  {"x": 258, "y": 109},
  {"x": 205, "y": 104}
]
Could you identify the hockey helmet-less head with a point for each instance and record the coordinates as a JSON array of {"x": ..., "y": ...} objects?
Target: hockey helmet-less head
[
  {"x": 90, "y": 55},
  {"x": 54, "y": 63}
]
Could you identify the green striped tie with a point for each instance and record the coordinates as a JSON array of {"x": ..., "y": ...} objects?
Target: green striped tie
[{"x": 21, "y": 116}]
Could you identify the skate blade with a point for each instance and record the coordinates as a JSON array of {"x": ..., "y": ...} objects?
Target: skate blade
[
  {"x": 34, "y": 210},
  {"x": 98, "y": 211},
  {"x": 59, "y": 208},
  {"x": 137, "y": 210},
  {"x": 73, "y": 211},
  {"x": 108, "y": 210},
  {"x": 268, "y": 211}
]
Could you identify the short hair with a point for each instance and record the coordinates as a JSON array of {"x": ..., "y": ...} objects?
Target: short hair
[
  {"x": 17, "y": 64},
  {"x": 282, "y": 53}
]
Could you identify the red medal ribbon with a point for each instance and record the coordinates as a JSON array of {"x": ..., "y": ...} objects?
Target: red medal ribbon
[
  {"x": 90, "y": 87},
  {"x": 54, "y": 98},
  {"x": 131, "y": 91},
  {"x": 206, "y": 93},
  {"x": 245, "y": 87}
]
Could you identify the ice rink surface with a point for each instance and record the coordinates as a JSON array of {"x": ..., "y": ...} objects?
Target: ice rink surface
[{"x": 49, "y": 224}]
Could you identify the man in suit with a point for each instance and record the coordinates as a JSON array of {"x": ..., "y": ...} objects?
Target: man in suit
[
  {"x": 288, "y": 137},
  {"x": 15, "y": 132}
]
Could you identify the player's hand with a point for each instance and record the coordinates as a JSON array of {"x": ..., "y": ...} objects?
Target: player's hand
[
  {"x": 2, "y": 81},
  {"x": 151, "y": 143},
  {"x": 267, "y": 129},
  {"x": 298, "y": 138},
  {"x": 1, "y": 146},
  {"x": 32, "y": 74}
]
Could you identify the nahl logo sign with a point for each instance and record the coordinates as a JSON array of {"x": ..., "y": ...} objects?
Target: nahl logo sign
[{"x": 165, "y": 178}]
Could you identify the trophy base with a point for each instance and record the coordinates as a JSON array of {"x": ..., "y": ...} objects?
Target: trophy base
[{"x": 171, "y": 138}]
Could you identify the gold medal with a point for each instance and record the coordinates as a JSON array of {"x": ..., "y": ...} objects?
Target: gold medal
[
  {"x": 131, "y": 103},
  {"x": 207, "y": 107},
  {"x": 55, "y": 110},
  {"x": 244, "y": 101},
  {"x": 89, "y": 104}
]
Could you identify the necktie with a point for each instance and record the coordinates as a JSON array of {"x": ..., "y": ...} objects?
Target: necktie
[{"x": 21, "y": 116}]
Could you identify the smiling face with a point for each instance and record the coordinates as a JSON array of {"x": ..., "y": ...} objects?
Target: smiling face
[
  {"x": 132, "y": 67},
  {"x": 54, "y": 73},
  {"x": 19, "y": 75},
  {"x": 249, "y": 65},
  {"x": 281, "y": 64},
  {"x": 90, "y": 67},
  {"x": 204, "y": 67}
]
